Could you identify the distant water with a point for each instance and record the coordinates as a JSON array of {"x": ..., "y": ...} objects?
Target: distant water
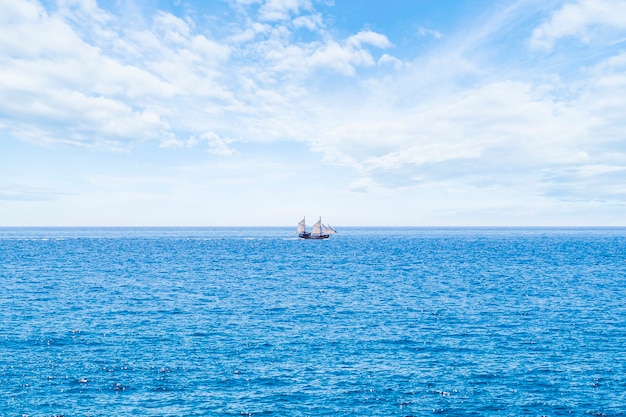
[{"x": 372, "y": 322}]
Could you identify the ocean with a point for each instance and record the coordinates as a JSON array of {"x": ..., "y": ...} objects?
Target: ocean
[{"x": 254, "y": 322}]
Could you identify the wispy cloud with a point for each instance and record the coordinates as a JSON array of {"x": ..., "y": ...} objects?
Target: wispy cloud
[
  {"x": 20, "y": 192},
  {"x": 429, "y": 32},
  {"x": 585, "y": 20}
]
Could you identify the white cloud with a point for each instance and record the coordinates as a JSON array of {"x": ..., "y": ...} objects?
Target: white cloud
[
  {"x": 155, "y": 80},
  {"x": 217, "y": 145},
  {"x": 311, "y": 22},
  {"x": 585, "y": 20},
  {"x": 273, "y": 10},
  {"x": 501, "y": 132},
  {"x": 388, "y": 60},
  {"x": 82, "y": 11},
  {"x": 81, "y": 94},
  {"x": 28, "y": 32},
  {"x": 339, "y": 58},
  {"x": 368, "y": 37},
  {"x": 453, "y": 118},
  {"x": 429, "y": 32},
  {"x": 347, "y": 56}
]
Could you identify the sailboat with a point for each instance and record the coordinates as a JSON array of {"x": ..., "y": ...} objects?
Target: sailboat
[{"x": 318, "y": 231}]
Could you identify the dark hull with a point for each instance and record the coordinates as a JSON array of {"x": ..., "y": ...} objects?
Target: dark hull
[{"x": 310, "y": 236}]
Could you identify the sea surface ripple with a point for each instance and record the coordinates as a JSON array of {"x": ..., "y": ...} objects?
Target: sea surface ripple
[{"x": 371, "y": 322}]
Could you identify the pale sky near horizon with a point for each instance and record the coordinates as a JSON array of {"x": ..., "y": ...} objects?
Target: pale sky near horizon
[{"x": 259, "y": 112}]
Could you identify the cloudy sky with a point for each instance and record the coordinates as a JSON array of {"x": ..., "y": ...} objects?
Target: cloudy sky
[{"x": 258, "y": 112}]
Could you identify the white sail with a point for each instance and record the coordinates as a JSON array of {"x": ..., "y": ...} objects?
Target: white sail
[
  {"x": 317, "y": 228},
  {"x": 301, "y": 226},
  {"x": 318, "y": 231},
  {"x": 328, "y": 230}
]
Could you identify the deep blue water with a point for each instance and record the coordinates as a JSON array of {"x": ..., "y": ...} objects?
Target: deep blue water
[{"x": 372, "y": 322}]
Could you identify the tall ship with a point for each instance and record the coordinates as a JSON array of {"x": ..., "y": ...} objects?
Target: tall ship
[{"x": 318, "y": 231}]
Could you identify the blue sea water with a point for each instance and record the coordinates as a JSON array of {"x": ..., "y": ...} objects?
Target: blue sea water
[{"x": 371, "y": 322}]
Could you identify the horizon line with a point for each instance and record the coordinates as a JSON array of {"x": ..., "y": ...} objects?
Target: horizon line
[{"x": 290, "y": 226}]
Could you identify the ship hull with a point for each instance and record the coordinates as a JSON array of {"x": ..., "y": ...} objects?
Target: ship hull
[{"x": 313, "y": 237}]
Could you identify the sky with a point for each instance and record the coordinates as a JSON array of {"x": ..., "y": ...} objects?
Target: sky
[{"x": 260, "y": 112}]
